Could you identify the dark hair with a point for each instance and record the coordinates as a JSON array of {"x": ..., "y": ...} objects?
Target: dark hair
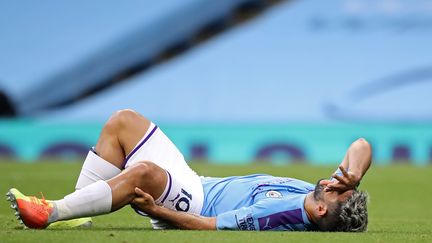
[{"x": 349, "y": 216}]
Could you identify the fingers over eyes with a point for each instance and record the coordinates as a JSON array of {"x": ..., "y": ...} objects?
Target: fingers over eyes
[{"x": 335, "y": 187}]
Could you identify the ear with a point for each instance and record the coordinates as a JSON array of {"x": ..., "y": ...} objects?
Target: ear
[{"x": 321, "y": 209}]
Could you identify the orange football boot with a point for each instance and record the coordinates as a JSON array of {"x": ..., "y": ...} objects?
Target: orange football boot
[{"x": 31, "y": 211}]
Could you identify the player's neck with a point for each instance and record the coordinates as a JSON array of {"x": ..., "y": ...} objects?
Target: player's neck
[{"x": 309, "y": 205}]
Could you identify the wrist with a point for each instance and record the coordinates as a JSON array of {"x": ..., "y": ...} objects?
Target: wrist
[
  {"x": 155, "y": 211},
  {"x": 357, "y": 177}
]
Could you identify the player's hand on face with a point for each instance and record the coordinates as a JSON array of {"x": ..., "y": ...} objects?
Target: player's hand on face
[
  {"x": 143, "y": 201},
  {"x": 346, "y": 182}
]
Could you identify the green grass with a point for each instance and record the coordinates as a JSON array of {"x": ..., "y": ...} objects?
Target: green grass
[{"x": 399, "y": 211}]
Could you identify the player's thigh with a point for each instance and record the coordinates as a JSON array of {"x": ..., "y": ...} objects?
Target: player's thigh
[
  {"x": 182, "y": 193},
  {"x": 155, "y": 146}
]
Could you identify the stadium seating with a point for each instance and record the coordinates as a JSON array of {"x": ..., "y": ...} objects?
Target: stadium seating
[
  {"x": 261, "y": 70},
  {"x": 52, "y": 51}
]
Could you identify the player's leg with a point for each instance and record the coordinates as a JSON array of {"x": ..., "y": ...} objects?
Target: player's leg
[
  {"x": 108, "y": 196},
  {"x": 118, "y": 137},
  {"x": 128, "y": 133},
  {"x": 145, "y": 175},
  {"x": 126, "y": 139},
  {"x": 95, "y": 199},
  {"x": 186, "y": 192}
]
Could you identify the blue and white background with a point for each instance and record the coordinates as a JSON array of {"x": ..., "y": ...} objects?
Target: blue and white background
[{"x": 296, "y": 83}]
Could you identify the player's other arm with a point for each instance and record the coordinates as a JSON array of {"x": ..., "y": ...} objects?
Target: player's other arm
[
  {"x": 353, "y": 167},
  {"x": 358, "y": 158},
  {"x": 181, "y": 220}
]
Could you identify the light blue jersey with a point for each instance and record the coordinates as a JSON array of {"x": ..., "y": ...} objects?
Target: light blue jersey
[{"x": 257, "y": 202}]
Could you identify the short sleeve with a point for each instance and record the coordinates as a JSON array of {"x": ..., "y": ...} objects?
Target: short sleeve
[
  {"x": 240, "y": 219},
  {"x": 266, "y": 214}
]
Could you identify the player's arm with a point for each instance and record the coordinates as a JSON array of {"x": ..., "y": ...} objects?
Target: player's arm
[
  {"x": 353, "y": 167},
  {"x": 181, "y": 220},
  {"x": 358, "y": 158}
]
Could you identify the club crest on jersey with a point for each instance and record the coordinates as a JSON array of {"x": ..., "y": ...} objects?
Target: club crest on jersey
[{"x": 273, "y": 194}]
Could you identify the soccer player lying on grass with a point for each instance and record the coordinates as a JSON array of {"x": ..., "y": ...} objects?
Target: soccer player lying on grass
[{"x": 135, "y": 164}]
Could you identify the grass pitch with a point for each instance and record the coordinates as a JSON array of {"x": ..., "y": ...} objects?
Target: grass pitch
[{"x": 399, "y": 211}]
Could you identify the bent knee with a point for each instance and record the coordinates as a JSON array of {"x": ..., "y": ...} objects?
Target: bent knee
[
  {"x": 145, "y": 170},
  {"x": 122, "y": 119},
  {"x": 149, "y": 177}
]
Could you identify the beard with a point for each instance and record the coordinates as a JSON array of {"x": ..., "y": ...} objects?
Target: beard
[{"x": 319, "y": 190}]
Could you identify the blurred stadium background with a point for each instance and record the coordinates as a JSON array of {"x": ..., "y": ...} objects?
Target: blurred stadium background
[
  {"x": 238, "y": 85},
  {"x": 230, "y": 81}
]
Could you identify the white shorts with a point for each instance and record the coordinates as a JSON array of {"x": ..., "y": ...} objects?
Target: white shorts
[{"x": 184, "y": 191}]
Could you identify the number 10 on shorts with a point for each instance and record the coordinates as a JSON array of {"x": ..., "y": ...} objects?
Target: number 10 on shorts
[{"x": 183, "y": 202}]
